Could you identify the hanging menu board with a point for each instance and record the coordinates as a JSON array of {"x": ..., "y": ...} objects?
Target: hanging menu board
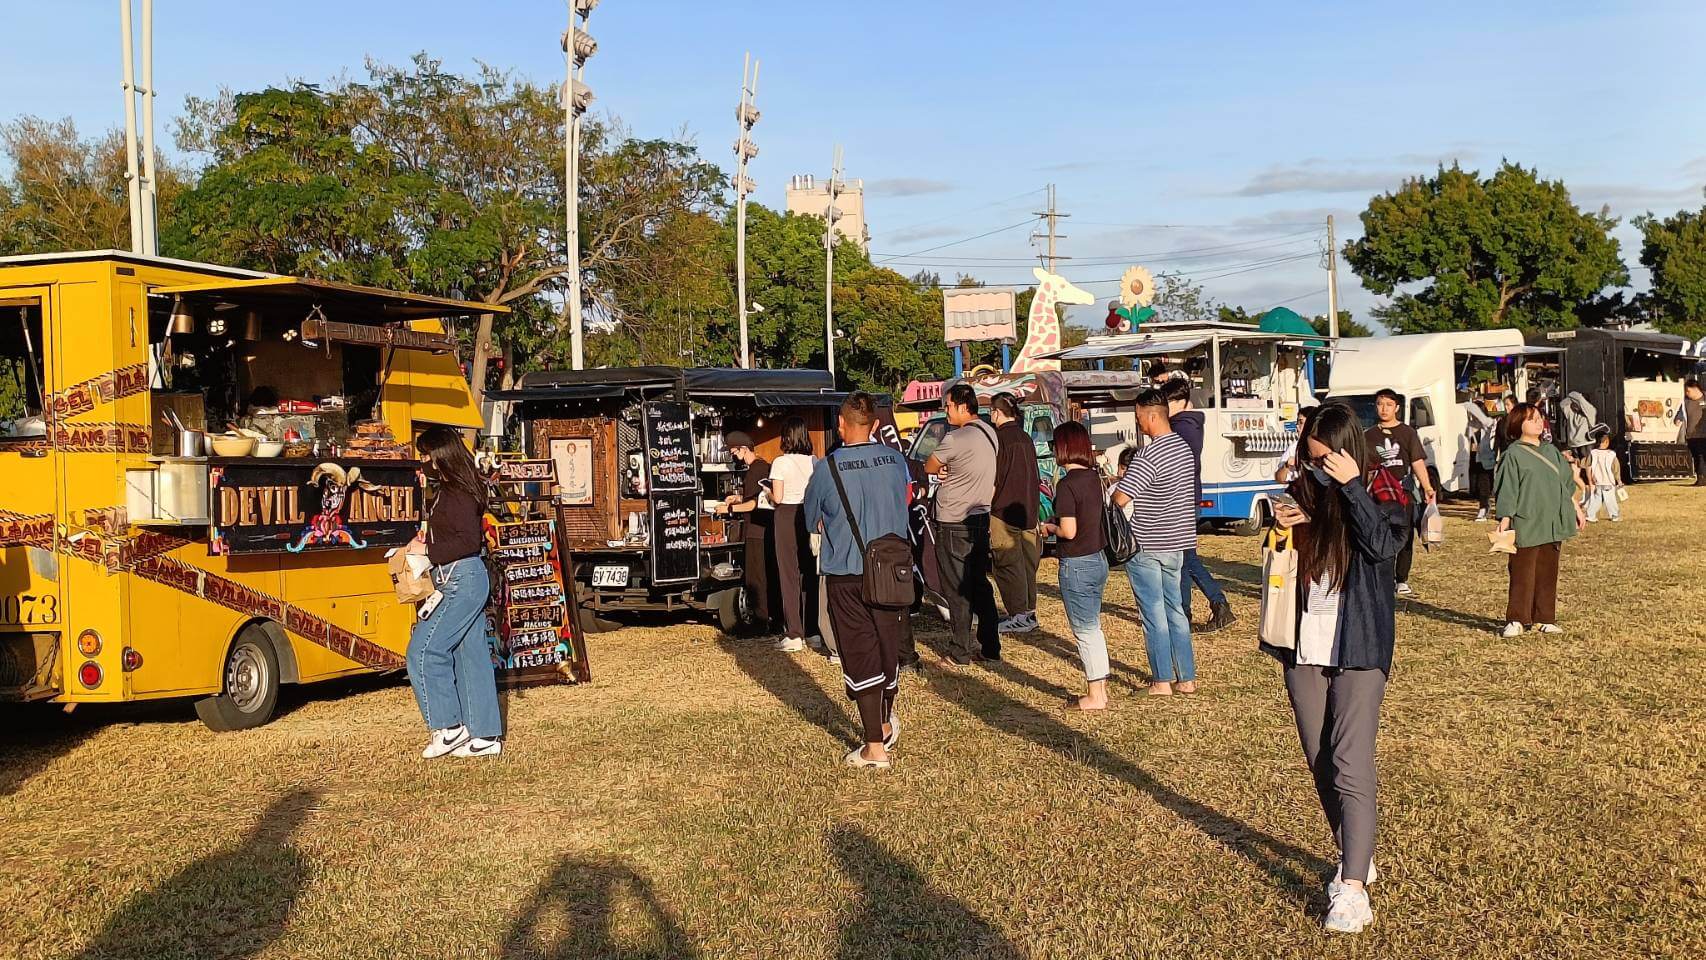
[
  {"x": 675, "y": 537},
  {"x": 669, "y": 447},
  {"x": 674, "y": 493},
  {"x": 535, "y": 639}
]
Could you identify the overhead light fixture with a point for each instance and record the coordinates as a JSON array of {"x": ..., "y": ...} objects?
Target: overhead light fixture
[
  {"x": 183, "y": 321},
  {"x": 252, "y": 324}
]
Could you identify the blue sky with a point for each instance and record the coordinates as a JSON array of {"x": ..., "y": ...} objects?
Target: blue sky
[{"x": 1206, "y": 138}]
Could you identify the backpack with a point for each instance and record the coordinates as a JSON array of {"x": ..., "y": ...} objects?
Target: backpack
[
  {"x": 1121, "y": 544},
  {"x": 890, "y": 576}
]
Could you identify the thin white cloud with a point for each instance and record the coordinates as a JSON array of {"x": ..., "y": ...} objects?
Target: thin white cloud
[
  {"x": 915, "y": 234},
  {"x": 906, "y": 186},
  {"x": 1308, "y": 179}
]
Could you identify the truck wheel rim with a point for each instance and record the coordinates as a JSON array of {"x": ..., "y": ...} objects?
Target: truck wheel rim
[{"x": 246, "y": 678}]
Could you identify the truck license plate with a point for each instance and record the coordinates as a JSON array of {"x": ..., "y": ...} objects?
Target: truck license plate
[{"x": 614, "y": 576}]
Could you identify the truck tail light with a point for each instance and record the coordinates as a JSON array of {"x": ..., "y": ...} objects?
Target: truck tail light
[
  {"x": 89, "y": 674},
  {"x": 89, "y": 643},
  {"x": 131, "y": 659},
  {"x": 1206, "y": 503}
]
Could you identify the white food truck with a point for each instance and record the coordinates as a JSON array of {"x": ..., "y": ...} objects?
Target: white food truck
[
  {"x": 1432, "y": 373},
  {"x": 1248, "y": 397}
]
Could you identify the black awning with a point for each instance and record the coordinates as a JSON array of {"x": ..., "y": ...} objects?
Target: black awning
[
  {"x": 796, "y": 399},
  {"x": 584, "y": 391}
]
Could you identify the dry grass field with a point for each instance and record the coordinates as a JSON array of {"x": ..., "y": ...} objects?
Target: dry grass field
[{"x": 1541, "y": 797}]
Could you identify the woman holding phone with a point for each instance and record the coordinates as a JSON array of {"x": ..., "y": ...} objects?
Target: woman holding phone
[{"x": 1349, "y": 527}]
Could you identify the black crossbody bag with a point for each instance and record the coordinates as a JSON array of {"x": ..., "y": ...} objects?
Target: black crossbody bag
[{"x": 890, "y": 577}]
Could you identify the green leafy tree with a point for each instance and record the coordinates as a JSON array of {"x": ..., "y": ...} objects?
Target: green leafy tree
[
  {"x": 1508, "y": 250},
  {"x": 1674, "y": 248},
  {"x": 1348, "y": 326},
  {"x": 62, "y": 191},
  {"x": 1180, "y": 299}
]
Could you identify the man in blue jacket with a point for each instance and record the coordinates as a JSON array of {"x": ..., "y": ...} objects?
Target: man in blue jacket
[
  {"x": 1188, "y": 423},
  {"x": 874, "y": 478}
]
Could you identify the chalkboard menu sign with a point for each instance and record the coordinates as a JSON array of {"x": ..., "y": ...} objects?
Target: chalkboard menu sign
[
  {"x": 675, "y": 537},
  {"x": 304, "y": 506},
  {"x": 529, "y": 610},
  {"x": 669, "y": 447}
]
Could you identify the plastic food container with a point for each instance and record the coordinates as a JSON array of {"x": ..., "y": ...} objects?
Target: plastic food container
[{"x": 268, "y": 448}]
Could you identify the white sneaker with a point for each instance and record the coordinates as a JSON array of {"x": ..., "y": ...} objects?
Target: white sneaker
[
  {"x": 1404, "y": 590},
  {"x": 1548, "y": 628},
  {"x": 1512, "y": 630},
  {"x": 479, "y": 747},
  {"x": 1593, "y": 519},
  {"x": 1480, "y": 516},
  {"x": 1616, "y": 519},
  {"x": 444, "y": 741},
  {"x": 790, "y": 644},
  {"x": 1338, "y": 882},
  {"x": 1349, "y": 912}
]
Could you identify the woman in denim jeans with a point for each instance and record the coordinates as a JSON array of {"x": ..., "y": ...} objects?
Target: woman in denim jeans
[
  {"x": 450, "y": 659},
  {"x": 1077, "y": 528}
]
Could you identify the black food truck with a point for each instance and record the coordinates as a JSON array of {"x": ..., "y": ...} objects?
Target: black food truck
[
  {"x": 640, "y": 460},
  {"x": 1634, "y": 380}
]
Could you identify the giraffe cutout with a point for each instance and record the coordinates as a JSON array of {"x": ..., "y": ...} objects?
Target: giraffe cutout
[{"x": 1042, "y": 327}]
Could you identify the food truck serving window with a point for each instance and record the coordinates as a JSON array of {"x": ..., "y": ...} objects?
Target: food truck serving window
[{"x": 21, "y": 368}]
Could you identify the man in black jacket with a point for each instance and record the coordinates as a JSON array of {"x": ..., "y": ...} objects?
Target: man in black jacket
[{"x": 1013, "y": 517}]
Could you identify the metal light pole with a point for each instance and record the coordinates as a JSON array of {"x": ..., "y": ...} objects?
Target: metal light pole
[
  {"x": 132, "y": 176},
  {"x": 745, "y": 149},
  {"x": 578, "y": 46},
  {"x": 830, "y": 215},
  {"x": 139, "y": 144}
]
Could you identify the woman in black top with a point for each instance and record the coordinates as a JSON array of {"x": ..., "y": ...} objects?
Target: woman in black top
[
  {"x": 1077, "y": 527},
  {"x": 450, "y": 659},
  {"x": 1349, "y": 528}
]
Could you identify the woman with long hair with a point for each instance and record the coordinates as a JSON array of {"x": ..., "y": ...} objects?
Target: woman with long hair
[
  {"x": 789, "y": 476},
  {"x": 1534, "y": 491},
  {"x": 450, "y": 660},
  {"x": 1348, "y": 525},
  {"x": 1077, "y": 527}
]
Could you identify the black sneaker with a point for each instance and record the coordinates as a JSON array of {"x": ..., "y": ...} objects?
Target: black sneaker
[{"x": 1223, "y": 617}]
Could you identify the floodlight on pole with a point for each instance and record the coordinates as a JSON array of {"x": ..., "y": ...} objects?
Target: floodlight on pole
[
  {"x": 746, "y": 115},
  {"x": 578, "y": 47},
  {"x": 831, "y": 213}
]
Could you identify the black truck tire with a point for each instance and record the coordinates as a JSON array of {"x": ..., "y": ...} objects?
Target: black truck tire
[{"x": 248, "y": 685}]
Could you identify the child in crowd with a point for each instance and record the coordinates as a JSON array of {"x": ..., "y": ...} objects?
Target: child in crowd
[{"x": 1606, "y": 474}]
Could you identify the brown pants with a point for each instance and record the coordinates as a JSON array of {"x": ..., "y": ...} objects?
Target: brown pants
[
  {"x": 1534, "y": 585},
  {"x": 1016, "y": 553}
]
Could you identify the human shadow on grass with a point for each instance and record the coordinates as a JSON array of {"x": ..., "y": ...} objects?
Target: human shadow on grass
[
  {"x": 32, "y": 737},
  {"x": 898, "y": 913},
  {"x": 230, "y": 904},
  {"x": 1275, "y": 857},
  {"x": 1246, "y": 579},
  {"x": 783, "y": 677},
  {"x": 571, "y": 916}
]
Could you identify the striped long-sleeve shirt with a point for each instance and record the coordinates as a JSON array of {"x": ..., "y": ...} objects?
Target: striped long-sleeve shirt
[{"x": 1161, "y": 482}]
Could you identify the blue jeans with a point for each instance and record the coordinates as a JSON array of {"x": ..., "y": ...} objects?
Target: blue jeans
[
  {"x": 1082, "y": 583},
  {"x": 1195, "y": 571},
  {"x": 1166, "y": 630},
  {"x": 450, "y": 660}
]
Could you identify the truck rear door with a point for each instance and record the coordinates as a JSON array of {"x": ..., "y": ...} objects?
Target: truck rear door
[{"x": 32, "y": 605}]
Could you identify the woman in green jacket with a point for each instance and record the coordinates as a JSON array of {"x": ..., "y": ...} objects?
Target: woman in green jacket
[{"x": 1535, "y": 492}]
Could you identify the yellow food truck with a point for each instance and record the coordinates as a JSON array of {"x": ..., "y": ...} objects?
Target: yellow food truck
[{"x": 201, "y": 472}]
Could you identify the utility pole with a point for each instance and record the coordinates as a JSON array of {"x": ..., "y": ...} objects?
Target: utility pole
[
  {"x": 745, "y": 149},
  {"x": 1052, "y": 215},
  {"x": 139, "y": 173},
  {"x": 578, "y": 46},
  {"x": 1332, "y": 281},
  {"x": 830, "y": 215}
]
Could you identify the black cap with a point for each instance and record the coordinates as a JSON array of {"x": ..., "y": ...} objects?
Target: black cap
[{"x": 738, "y": 438}]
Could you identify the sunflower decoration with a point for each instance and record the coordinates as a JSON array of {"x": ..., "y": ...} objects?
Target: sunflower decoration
[{"x": 1137, "y": 289}]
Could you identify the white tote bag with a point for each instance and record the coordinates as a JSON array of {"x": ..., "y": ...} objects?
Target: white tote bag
[{"x": 1279, "y": 591}]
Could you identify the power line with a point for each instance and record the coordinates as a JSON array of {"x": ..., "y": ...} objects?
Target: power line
[
  {"x": 955, "y": 243},
  {"x": 1199, "y": 226},
  {"x": 1163, "y": 256},
  {"x": 955, "y": 216},
  {"x": 1241, "y": 268}
]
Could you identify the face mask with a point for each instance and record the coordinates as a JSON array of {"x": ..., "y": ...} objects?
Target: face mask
[{"x": 1320, "y": 475}]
